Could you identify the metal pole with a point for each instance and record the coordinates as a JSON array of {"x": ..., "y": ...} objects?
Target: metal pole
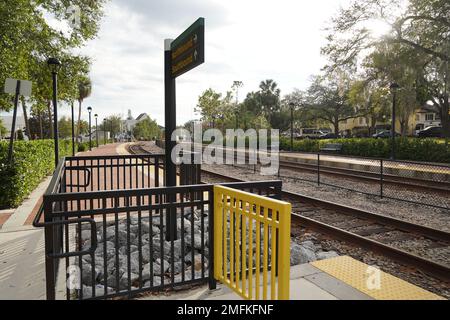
[
  {"x": 318, "y": 169},
  {"x": 73, "y": 132},
  {"x": 55, "y": 117},
  {"x": 393, "y": 125},
  {"x": 96, "y": 131},
  {"x": 292, "y": 128},
  {"x": 381, "y": 178},
  {"x": 13, "y": 126},
  {"x": 104, "y": 131},
  {"x": 90, "y": 132},
  {"x": 170, "y": 126}
]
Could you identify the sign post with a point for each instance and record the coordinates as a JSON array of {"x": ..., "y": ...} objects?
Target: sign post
[
  {"x": 184, "y": 53},
  {"x": 16, "y": 87}
]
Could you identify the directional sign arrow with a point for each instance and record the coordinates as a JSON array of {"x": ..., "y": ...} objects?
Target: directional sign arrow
[{"x": 188, "y": 49}]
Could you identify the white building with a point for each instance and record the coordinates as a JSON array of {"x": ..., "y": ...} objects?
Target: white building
[{"x": 130, "y": 123}]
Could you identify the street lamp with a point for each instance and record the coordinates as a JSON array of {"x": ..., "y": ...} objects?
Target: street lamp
[
  {"x": 90, "y": 132},
  {"x": 96, "y": 128},
  {"x": 54, "y": 65},
  {"x": 104, "y": 131},
  {"x": 73, "y": 131},
  {"x": 394, "y": 87},
  {"x": 112, "y": 134},
  {"x": 291, "y": 104}
]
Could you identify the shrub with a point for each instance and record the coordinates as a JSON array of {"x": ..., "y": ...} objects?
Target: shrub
[
  {"x": 82, "y": 146},
  {"x": 414, "y": 149},
  {"x": 32, "y": 161}
]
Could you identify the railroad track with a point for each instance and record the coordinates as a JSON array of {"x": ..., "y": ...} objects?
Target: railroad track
[
  {"x": 410, "y": 183},
  {"x": 370, "y": 177},
  {"x": 414, "y": 245},
  {"x": 378, "y": 233}
]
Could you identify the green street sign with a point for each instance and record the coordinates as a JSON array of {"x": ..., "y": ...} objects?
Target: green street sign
[{"x": 188, "y": 50}]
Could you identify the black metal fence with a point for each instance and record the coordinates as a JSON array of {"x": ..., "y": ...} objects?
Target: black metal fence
[
  {"x": 409, "y": 181},
  {"x": 105, "y": 217}
]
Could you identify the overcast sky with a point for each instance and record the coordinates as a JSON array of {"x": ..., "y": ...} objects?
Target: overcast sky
[{"x": 249, "y": 40}]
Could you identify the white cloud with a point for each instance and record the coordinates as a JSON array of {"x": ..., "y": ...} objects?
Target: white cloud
[{"x": 248, "y": 40}]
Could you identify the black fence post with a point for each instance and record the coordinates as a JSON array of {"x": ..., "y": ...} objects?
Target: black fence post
[
  {"x": 50, "y": 275},
  {"x": 318, "y": 169},
  {"x": 381, "y": 178},
  {"x": 211, "y": 280}
]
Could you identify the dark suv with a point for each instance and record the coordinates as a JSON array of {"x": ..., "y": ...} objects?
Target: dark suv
[{"x": 431, "y": 132}]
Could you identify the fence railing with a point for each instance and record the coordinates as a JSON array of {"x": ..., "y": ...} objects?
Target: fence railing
[
  {"x": 105, "y": 218},
  {"x": 409, "y": 181},
  {"x": 252, "y": 244}
]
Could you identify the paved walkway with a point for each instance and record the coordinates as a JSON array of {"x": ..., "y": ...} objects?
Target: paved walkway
[
  {"x": 307, "y": 283},
  {"x": 22, "y": 267}
]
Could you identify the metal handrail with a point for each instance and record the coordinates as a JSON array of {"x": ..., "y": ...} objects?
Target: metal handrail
[{"x": 91, "y": 221}]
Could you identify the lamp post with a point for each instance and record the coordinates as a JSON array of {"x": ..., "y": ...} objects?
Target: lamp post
[
  {"x": 104, "y": 131},
  {"x": 394, "y": 87},
  {"x": 112, "y": 135},
  {"x": 291, "y": 104},
  {"x": 90, "y": 132},
  {"x": 73, "y": 130},
  {"x": 96, "y": 128},
  {"x": 55, "y": 65}
]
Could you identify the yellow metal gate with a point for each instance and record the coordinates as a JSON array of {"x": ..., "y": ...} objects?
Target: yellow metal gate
[{"x": 252, "y": 244}]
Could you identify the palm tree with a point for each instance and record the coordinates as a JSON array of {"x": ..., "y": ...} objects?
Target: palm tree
[
  {"x": 269, "y": 96},
  {"x": 84, "y": 91}
]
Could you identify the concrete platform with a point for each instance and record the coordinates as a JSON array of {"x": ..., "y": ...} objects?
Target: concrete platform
[
  {"x": 307, "y": 283},
  {"x": 22, "y": 265},
  {"x": 339, "y": 278},
  {"x": 432, "y": 171}
]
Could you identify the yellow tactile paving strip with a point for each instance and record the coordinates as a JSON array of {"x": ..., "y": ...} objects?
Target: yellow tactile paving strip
[{"x": 380, "y": 286}]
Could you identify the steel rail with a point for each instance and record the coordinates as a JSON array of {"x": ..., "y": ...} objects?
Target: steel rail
[
  {"x": 433, "y": 268},
  {"x": 428, "y": 266}
]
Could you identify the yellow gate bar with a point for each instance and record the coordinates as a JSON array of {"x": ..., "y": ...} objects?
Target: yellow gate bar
[{"x": 240, "y": 218}]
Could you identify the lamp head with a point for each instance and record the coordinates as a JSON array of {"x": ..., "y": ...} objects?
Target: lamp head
[
  {"x": 96, "y": 115},
  {"x": 394, "y": 86},
  {"x": 89, "y": 109},
  {"x": 54, "y": 64}
]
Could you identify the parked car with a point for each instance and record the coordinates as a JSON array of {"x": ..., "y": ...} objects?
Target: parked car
[
  {"x": 310, "y": 133},
  {"x": 329, "y": 135},
  {"x": 431, "y": 132},
  {"x": 384, "y": 134}
]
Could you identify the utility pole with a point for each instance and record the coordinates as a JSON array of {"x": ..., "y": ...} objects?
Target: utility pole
[{"x": 394, "y": 87}]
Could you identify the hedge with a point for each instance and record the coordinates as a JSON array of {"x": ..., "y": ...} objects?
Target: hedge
[
  {"x": 414, "y": 149},
  {"x": 32, "y": 161}
]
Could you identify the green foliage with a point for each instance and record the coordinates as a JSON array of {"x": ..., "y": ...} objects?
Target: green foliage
[
  {"x": 32, "y": 161},
  {"x": 113, "y": 124},
  {"x": 82, "y": 146},
  {"x": 20, "y": 136},
  {"x": 414, "y": 149},
  {"x": 28, "y": 39},
  {"x": 146, "y": 129},
  {"x": 65, "y": 127},
  {"x": 211, "y": 106},
  {"x": 414, "y": 52},
  {"x": 3, "y": 130}
]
